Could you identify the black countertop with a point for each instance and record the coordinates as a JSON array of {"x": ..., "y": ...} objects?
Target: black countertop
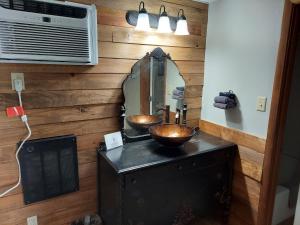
[{"x": 142, "y": 154}]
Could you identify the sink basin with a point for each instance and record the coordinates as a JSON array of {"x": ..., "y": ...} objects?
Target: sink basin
[
  {"x": 171, "y": 135},
  {"x": 143, "y": 122}
]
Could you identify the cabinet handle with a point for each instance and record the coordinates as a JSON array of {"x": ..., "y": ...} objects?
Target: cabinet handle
[
  {"x": 133, "y": 181},
  {"x": 219, "y": 176},
  {"x": 179, "y": 167}
]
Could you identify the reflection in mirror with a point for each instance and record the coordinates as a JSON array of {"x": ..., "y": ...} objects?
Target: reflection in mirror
[
  {"x": 153, "y": 84},
  {"x": 174, "y": 94}
]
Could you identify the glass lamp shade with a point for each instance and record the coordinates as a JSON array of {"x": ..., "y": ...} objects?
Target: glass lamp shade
[
  {"x": 182, "y": 28},
  {"x": 143, "y": 22},
  {"x": 164, "y": 25}
]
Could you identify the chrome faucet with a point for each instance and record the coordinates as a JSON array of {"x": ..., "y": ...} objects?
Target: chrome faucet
[{"x": 167, "y": 113}]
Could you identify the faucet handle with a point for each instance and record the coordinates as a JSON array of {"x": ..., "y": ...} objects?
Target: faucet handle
[{"x": 166, "y": 108}]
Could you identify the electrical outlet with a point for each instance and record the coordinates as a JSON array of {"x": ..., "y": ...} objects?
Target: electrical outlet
[
  {"x": 32, "y": 220},
  {"x": 261, "y": 104},
  {"x": 17, "y": 78}
]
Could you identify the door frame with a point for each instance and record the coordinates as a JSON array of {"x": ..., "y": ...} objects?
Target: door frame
[{"x": 278, "y": 112}]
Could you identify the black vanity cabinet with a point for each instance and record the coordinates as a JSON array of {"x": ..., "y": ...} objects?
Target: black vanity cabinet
[{"x": 143, "y": 183}]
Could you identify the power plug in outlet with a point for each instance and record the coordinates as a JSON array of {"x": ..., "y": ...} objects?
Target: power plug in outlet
[
  {"x": 18, "y": 83},
  {"x": 32, "y": 220},
  {"x": 17, "y": 79}
]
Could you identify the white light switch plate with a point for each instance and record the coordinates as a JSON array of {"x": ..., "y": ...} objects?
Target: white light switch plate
[
  {"x": 113, "y": 140},
  {"x": 261, "y": 104},
  {"x": 32, "y": 220}
]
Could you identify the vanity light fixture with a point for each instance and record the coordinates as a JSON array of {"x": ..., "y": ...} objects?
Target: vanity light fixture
[
  {"x": 143, "y": 19},
  {"x": 182, "y": 27},
  {"x": 164, "y": 21}
]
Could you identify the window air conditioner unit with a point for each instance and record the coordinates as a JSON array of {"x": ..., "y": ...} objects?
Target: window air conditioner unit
[{"x": 48, "y": 32}]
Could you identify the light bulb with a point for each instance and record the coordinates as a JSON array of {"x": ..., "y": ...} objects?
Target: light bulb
[
  {"x": 182, "y": 27},
  {"x": 164, "y": 21},
  {"x": 164, "y": 25},
  {"x": 143, "y": 22},
  {"x": 143, "y": 19}
]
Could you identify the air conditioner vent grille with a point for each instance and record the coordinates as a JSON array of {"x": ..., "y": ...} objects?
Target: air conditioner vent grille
[
  {"x": 44, "y": 8},
  {"x": 5, "y": 3},
  {"x": 33, "y": 39}
]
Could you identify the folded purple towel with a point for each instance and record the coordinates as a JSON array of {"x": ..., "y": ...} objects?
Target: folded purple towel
[
  {"x": 229, "y": 94},
  {"x": 180, "y": 88},
  {"x": 224, "y": 100},
  {"x": 177, "y": 97},
  {"x": 224, "y": 106},
  {"x": 177, "y": 92}
]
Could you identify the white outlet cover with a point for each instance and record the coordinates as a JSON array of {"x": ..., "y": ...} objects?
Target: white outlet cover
[
  {"x": 15, "y": 76},
  {"x": 32, "y": 220}
]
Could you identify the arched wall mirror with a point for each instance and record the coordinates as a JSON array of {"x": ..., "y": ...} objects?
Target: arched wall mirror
[{"x": 153, "y": 93}]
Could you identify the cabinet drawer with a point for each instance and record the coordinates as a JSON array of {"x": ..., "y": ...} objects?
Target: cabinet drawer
[
  {"x": 174, "y": 169},
  {"x": 160, "y": 194}
]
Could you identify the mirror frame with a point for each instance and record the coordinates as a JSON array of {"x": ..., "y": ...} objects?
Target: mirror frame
[{"x": 157, "y": 53}]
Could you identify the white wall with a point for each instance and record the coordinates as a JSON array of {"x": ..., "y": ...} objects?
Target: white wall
[{"x": 242, "y": 43}]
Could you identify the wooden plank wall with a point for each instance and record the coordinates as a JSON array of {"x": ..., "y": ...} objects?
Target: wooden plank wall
[
  {"x": 247, "y": 171},
  {"x": 84, "y": 100}
]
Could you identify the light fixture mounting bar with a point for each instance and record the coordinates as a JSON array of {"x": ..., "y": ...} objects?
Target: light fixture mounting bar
[{"x": 132, "y": 16}]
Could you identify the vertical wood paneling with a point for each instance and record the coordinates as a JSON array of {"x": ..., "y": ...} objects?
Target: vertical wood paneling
[{"x": 85, "y": 100}]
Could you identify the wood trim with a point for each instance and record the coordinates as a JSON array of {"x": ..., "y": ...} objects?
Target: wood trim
[
  {"x": 189, "y": 3},
  {"x": 281, "y": 90},
  {"x": 145, "y": 85},
  {"x": 138, "y": 51},
  {"x": 241, "y": 213},
  {"x": 295, "y": 1},
  {"x": 249, "y": 160},
  {"x": 246, "y": 190},
  {"x": 233, "y": 135}
]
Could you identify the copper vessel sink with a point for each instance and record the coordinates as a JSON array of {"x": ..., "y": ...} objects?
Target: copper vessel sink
[
  {"x": 171, "y": 135},
  {"x": 143, "y": 122}
]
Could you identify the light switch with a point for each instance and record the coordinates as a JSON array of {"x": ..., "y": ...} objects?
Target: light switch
[{"x": 261, "y": 104}]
